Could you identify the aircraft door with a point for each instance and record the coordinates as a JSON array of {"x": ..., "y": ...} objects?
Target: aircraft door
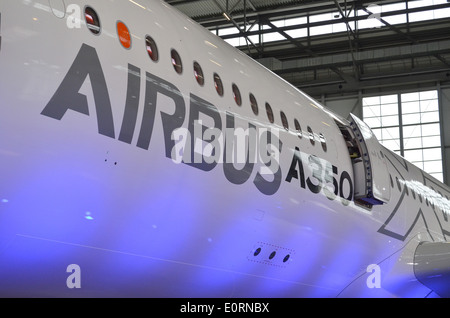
[
  {"x": 369, "y": 164},
  {"x": 371, "y": 177}
]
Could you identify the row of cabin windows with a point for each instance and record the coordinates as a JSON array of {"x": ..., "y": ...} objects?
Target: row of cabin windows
[
  {"x": 413, "y": 192},
  {"x": 93, "y": 24}
]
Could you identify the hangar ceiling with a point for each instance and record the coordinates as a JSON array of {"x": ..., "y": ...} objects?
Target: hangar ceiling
[{"x": 336, "y": 47}]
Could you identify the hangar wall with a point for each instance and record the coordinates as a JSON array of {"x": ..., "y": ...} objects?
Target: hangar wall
[
  {"x": 345, "y": 105},
  {"x": 340, "y": 52}
]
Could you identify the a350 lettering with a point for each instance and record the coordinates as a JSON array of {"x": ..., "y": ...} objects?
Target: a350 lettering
[{"x": 320, "y": 176}]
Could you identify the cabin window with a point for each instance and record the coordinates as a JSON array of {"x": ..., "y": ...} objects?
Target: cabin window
[
  {"x": 218, "y": 84},
  {"x": 311, "y": 136},
  {"x": 284, "y": 120},
  {"x": 269, "y": 113},
  {"x": 298, "y": 128},
  {"x": 198, "y": 73},
  {"x": 323, "y": 142},
  {"x": 124, "y": 35},
  {"x": 399, "y": 186},
  {"x": 92, "y": 20},
  {"x": 237, "y": 95},
  {"x": 176, "y": 61},
  {"x": 254, "y": 104},
  {"x": 152, "y": 49}
]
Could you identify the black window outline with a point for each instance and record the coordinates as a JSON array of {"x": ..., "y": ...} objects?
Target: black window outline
[
  {"x": 154, "y": 55},
  {"x": 257, "y": 251},
  {"x": 118, "y": 35},
  {"x": 236, "y": 94},
  {"x": 176, "y": 61},
  {"x": 323, "y": 142},
  {"x": 93, "y": 27},
  {"x": 413, "y": 193},
  {"x": 399, "y": 186},
  {"x": 298, "y": 128},
  {"x": 218, "y": 84},
  {"x": 311, "y": 136},
  {"x": 284, "y": 120},
  {"x": 253, "y": 104},
  {"x": 198, "y": 73},
  {"x": 269, "y": 113}
]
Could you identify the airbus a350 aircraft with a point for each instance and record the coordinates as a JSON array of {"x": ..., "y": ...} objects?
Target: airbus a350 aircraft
[{"x": 141, "y": 156}]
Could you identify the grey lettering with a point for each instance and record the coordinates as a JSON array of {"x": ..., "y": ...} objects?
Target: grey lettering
[
  {"x": 232, "y": 174},
  {"x": 264, "y": 186},
  {"x": 170, "y": 122},
  {"x": 68, "y": 97},
  {"x": 199, "y": 106},
  {"x": 132, "y": 104}
]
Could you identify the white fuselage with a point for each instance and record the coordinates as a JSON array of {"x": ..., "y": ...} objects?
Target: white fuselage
[{"x": 94, "y": 144}]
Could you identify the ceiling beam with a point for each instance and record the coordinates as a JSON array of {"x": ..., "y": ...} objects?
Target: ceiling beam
[{"x": 386, "y": 81}]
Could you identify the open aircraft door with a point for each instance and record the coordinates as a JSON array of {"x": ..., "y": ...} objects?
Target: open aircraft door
[
  {"x": 371, "y": 176},
  {"x": 369, "y": 166}
]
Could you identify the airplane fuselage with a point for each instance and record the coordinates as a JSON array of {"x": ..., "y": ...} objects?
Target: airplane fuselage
[{"x": 155, "y": 185}]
